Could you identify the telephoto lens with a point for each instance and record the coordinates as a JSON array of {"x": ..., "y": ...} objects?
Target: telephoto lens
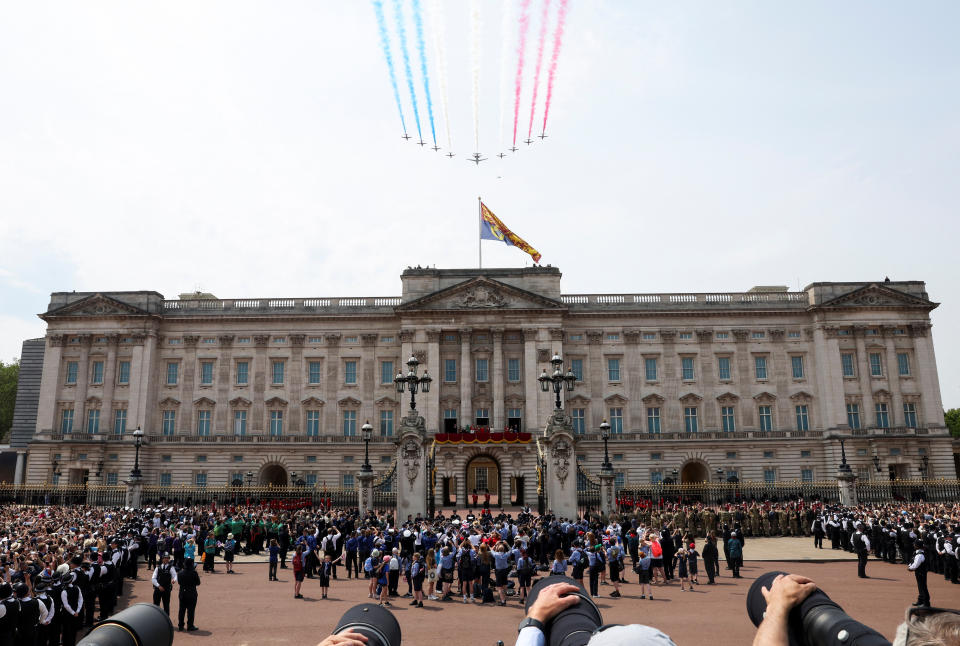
[
  {"x": 375, "y": 623},
  {"x": 573, "y": 626},
  {"x": 142, "y": 624},
  {"x": 817, "y": 621}
]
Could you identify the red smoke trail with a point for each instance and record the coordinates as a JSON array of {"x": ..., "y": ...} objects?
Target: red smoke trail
[
  {"x": 524, "y": 23},
  {"x": 536, "y": 74},
  {"x": 557, "y": 41}
]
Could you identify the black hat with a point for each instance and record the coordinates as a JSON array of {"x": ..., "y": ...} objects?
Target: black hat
[
  {"x": 5, "y": 590},
  {"x": 21, "y": 590}
]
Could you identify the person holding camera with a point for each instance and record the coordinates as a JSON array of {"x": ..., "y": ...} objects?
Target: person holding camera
[{"x": 784, "y": 593}]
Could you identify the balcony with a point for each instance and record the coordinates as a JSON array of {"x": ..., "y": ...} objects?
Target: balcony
[
  {"x": 255, "y": 306},
  {"x": 217, "y": 438},
  {"x": 711, "y": 300}
]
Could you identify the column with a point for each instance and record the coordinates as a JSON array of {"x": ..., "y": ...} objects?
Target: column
[
  {"x": 142, "y": 383},
  {"x": 893, "y": 378},
  {"x": 109, "y": 381},
  {"x": 21, "y": 463},
  {"x": 431, "y": 401},
  {"x": 223, "y": 421},
  {"x": 331, "y": 410},
  {"x": 531, "y": 388},
  {"x": 633, "y": 377},
  {"x": 596, "y": 378},
  {"x": 188, "y": 379},
  {"x": 498, "y": 378},
  {"x": 83, "y": 380},
  {"x": 867, "y": 414},
  {"x": 466, "y": 378},
  {"x": 829, "y": 386},
  {"x": 369, "y": 373},
  {"x": 925, "y": 368}
]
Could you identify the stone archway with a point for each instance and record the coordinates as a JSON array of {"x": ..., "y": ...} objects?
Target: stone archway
[
  {"x": 694, "y": 472},
  {"x": 482, "y": 473},
  {"x": 274, "y": 475}
]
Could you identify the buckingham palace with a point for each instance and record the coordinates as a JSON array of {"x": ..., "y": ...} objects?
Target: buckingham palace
[{"x": 756, "y": 385}]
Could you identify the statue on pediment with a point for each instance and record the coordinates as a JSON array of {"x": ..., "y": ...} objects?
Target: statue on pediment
[{"x": 482, "y": 297}]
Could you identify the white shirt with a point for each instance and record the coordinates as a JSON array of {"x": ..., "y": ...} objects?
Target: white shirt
[
  {"x": 156, "y": 570},
  {"x": 66, "y": 601},
  {"x": 918, "y": 558},
  {"x": 530, "y": 636}
]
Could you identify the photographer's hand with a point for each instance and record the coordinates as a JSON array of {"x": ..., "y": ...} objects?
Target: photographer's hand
[
  {"x": 786, "y": 592},
  {"x": 551, "y": 601},
  {"x": 348, "y": 638}
]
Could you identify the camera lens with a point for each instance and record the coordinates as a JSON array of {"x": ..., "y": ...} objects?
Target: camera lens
[
  {"x": 375, "y": 623},
  {"x": 573, "y": 626},
  {"x": 142, "y": 624}
]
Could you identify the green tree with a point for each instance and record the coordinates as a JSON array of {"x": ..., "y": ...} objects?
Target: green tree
[
  {"x": 952, "y": 418},
  {"x": 8, "y": 395}
]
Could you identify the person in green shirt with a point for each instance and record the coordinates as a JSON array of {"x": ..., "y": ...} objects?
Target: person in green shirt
[{"x": 209, "y": 552}]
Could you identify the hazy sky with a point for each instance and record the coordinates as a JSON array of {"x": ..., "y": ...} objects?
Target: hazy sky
[{"x": 253, "y": 149}]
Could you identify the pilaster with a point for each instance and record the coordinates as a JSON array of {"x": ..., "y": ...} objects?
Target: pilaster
[
  {"x": 466, "y": 378},
  {"x": 498, "y": 378}
]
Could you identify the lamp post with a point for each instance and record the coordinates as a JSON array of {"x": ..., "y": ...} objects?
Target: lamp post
[
  {"x": 844, "y": 467},
  {"x": 138, "y": 439},
  {"x": 926, "y": 465},
  {"x": 876, "y": 460},
  {"x": 293, "y": 478},
  {"x": 55, "y": 471},
  {"x": 249, "y": 478},
  {"x": 606, "y": 467},
  {"x": 412, "y": 382},
  {"x": 557, "y": 379},
  {"x": 366, "y": 432},
  {"x": 719, "y": 473}
]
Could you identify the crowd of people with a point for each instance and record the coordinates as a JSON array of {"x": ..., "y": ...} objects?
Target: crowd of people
[{"x": 63, "y": 567}]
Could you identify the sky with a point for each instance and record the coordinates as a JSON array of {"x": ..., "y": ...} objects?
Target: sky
[{"x": 254, "y": 149}]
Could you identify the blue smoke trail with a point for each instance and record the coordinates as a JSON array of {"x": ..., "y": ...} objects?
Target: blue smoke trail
[
  {"x": 385, "y": 43},
  {"x": 406, "y": 63},
  {"x": 418, "y": 21}
]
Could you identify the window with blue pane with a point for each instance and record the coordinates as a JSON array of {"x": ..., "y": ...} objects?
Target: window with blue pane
[
  {"x": 206, "y": 373},
  {"x": 766, "y": 418},
  {"x": 653, "y": 420},
  {"x": 239, "y": 422},
  {"x": 386, "y": 423},
  {"x": 796, "y": 364},
  {"x": 483, "y": 372},
  {"x": 579, "y": 421},
  {"x": 112, "y": 478},
  {"x": 910, "y": 415},
  {"x": 347, "y": 481},
  {"x": 123, "y": 373},
  {"x": 243, "y": 373},
  {"x": 201, "y": 479},
  {"x": 686, "y": 368},
  {"x": 386, "y": 372},
  {"x": 806, "y": 475},
  {"x": 203, "y": 422},
  {"x": 619, "y": 479},
  {"x": 169, "y": 422},
  {"x": 315, "y": 372},
  {"x": 903, "y": 364},
  {"x": 727, "y": 419},
  {"x": 883, "y": 417},
  {"x": 876, "y": 365},
  {"x": 350, "y": 372},
  {"x": 120, "y": 421},
  {"x": 613, "y": 369},
  {"x": 803, "y": 419},
  {"x": 656, "y": 477},
  {"x": 277, "y": 372},
  {"x": 690, "y": 424},
  {"x": 449, "y": 370},
  {"x": 72, "y": 372},
  {"x": 173, "y": 373},
  {"x": 276, "y": 423},
  {"x": 723, "y": 368},
  {"x": 93, "y": 421},
  {"x": 760, "y": 367},
  {"x": 847, "y": 364},
  {"x": 576, "y": 367},
  {"x": 349, "y": 423},
  {"x": 853, "y": 416},
  {"x": 310, "y": 480},
  {"x": 66, "y": 421},
  {"x": 313, "y": 423},
  {"x": 513, "y": 370},
  {"x": 650, "y": 368},
  {"x": 96, "y": 376},
  {"x": 616, "y": 421},
  {"x": 769, "y": 475},
  {"x": 165, "y": 479}
]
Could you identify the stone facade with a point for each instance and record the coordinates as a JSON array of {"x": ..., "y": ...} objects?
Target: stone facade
[{"x": 752, "y": 384}]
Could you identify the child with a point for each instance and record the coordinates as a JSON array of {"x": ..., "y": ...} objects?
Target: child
[
  {"x": 383, "y": 569},
  {"x": 228, "y": 550},
  {"x": 656, "y": 558},
  {"x": 642, "y": 568},
  {"x": 431, "y": 574},
  {"x": 298, "y": 568},
  {"x": 274, "y": 560},
  {"x": 326, "y": 570},
  {"x": 559, "y": 564},
  {"x": 680, "y": 565},
  {"x": 368, "y": 567},
  {"x": 692, "y": 563},
  {"x": 417, "y": 574},
  {"x": 525, "y": 570},
  {"x": 613, "y": 561}
]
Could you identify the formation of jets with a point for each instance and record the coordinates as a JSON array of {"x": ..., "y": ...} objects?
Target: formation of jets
[{"x": 476, "y": 158}]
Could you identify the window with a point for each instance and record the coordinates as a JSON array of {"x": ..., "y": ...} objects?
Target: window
[
  {"x": 576, "y": 366},
  {"x": 201, "y": 458},
  {"x": 650, "y": 368},
  {"x": 847, "y": 364},
  {"x": 238, "y": 458},
  {"x": 861, "y": 452},
  {"x": 766, "y": 418},
  {"x": 656, "y": 456},
  {"x": 685, "y": 336},
  {"x": 93, "y": 421},
  {"x": 656, "y": 477},
  {"x": 796, "y": 365},
  {"x": 653, "y": 419},
  {"x": 120, "y": 421},
  {"x": 96, "y": 376},
  {"x": 619, "y": 478},
  {"x": 723, "y": 368},
  {"x": 387, "y": 339},
  {"x": 579, "y": 423},
  {"x": 731, "y": 455},
  {"x": 310, "y": 459},
  {"x": 315, "y": 340},
  {"x": 723, "y": 335},
  {"x": 618, "y": 457},
  {"x": 514, "y": 419},
  {"x": 690, "y": 419},
  {"x": 386, "y": 372},
  {"x": 649, "y": 336},
  {"x": 758, "y": 335},
  {"x": 576, "y": 337},
  {"x": 166, "y": 458},
  {"x": 313, "y": 423},
  {"x": 239, "y": 422},
  {"x": 203, "y": 422},
  {"x": 243, "y": 373},
  {"x": 613, "y": 337},
  {"x": 760, "y": 367},
  {"x": 686, "y": 368},
  {"x": 66, "y": 421},
  {"x": 803, "y": 420},
  {"x": 310, "y": 480},
  {"x": 277, "y": 372},
  {"x": 769, "y": 475},
  {"x": 894, "y": 451},
  {"x": 450, "y": 338},
  {"x": 315, "y": 372},
  {"x": 385, "y": 459},
  {"x": 910, "y": 415},
  {"x": 350, "y": 372},
  {"x": 347, "y": 480},
  {"x": 727, "y": 419},
  {"x": 806, "y": 475},
  {"x": 206, "y": 373},
  {"x": 83, "y": 456},
  {"x": 173, "y": 373},
  {"x": 513, "y": 370},
  {"x": 794, "y": 334},
  {"x": 876, "y": 367},
  {"x": 613, "y": 369},
  {"x": 169, "y": 422},
  {"x": 483, "y": 417},
  {"x": 804, "y": 454},
  {"x": 903, "y": 364},
  {"x": 449, "y": 370},
  {"x": 386, "y": 423},
  {"x": 883, "y": 418},
  {"x": 349, "y": 423},
  {"x": 72, "y": 370},
  {"x": 123, "y": 373},
  {"x": 112, "y": 478},
  {"x": 350, "y": 339},
  {"x": 853, "y": 416},
  {"x": 921, "y": 451},
  {"x": 201, "y": 479},
  {"x": 768, "y": 455},
  {"x": 348, "y": 459},
  {"x": 276, "y": 423},
  {"x": 732, "y": 475},
  {"x": 483, "y": 373},
  {"x": 616, "y": 421},
  {"x": 165, "y": 479}
]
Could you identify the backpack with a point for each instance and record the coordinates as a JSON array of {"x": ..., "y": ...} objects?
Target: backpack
[
  {"x": 657, "y": 551},
  {"x": 526, "y": 569}
]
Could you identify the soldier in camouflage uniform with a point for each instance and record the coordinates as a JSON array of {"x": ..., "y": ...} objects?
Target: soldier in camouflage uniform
[
  {"x": 794, "y": 523},
  {"x": 726, "y": 518},
  {"x": 755, "y": 521},
  {"x": 784, "y": 522}
]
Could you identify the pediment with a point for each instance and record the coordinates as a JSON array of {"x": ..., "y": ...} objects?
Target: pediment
[
  {"x": 204, "y": 401},
  {"x": 765, "y": 397},
  {"x": 801, "y": 396},
  {"x": 240, "y": 402},
  {"x": 728, "y": 397},
  {"x": 881, "y": 393},
  {"x": 276, "y": 401},
  {"x": 386, "y": 401},
  {"x": 481, "y": 294},
  {"x": 578, "y": 400},
  {"x": 96, "y": 305},
  {"x": 169, "y": 401},
  {"x": 349, "y": 402},
  {"x": 615, "y": 399},
  {"x": 653, "y": 398},
  {"x": 877, "y": 295},
  {"x": 312, "y": 402},
  {"x": 691, "y": 398}
]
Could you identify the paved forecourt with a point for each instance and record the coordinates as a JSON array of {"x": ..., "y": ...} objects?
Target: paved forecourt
[{"x": 244, "y": 608}]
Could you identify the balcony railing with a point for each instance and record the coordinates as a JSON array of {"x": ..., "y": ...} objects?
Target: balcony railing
[
  {"x": 793, "y": 300},
  {"x": 216, "y": 438},
  {"x": 241, "y": 306}
]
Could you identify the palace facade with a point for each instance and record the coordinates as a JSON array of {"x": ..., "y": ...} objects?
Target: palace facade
[{"x": 699, "y": 386}]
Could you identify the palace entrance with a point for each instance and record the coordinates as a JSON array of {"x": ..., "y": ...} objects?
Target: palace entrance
[
  {"x": 483, "y": 475},
  {"x": 694, "y": 472},
  {"x": 274, "y": 475}
]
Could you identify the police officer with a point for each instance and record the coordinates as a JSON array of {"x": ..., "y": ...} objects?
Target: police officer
[
  {"x": 188, "y": 580},
  {"x": 861, "y": 545},
  {"x": 31, "y": 612},
  {"x": 818, "y": 533},
  {"x": 9, "y": 614},
  {"x": 919, "y": 568},
  {"x": 106, "y": 574},
  {"x": 71, "y": 605},
  {"x": 41, "y": 589},
  {"x": 164, "y": 576}
]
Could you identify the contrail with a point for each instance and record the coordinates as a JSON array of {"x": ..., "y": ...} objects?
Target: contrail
[
  {"x": 385, "y": 44},
  {"x": 536, "y": 73},
  {"x": 406, "y": 63},
  {"x": 475, "y": 55},
  {"x": 521, "y": 46},
  {"x": 422, "y": 48},
  {"x": 438, "y": 31},
  {"x": 504, "y": 47},
  {"x": 557, "y": 42}
]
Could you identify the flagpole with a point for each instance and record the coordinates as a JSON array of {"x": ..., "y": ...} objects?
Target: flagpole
[{"x": 479, "y": 233}]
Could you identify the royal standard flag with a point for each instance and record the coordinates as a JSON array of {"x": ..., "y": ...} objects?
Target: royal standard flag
[{"x": 491, "y": 228}]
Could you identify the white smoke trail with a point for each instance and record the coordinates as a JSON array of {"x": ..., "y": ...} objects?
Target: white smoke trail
[
  {"x": 475, "y": 56},
  {"x": 505, "y": 42},
  {"x": 438, "y": 35}
]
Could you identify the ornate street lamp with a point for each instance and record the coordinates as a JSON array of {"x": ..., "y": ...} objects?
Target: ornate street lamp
[
  {"x": 606, "y": 467},
  {"x": 99, "y": 468},
  {"x": 249, "y": 478},
  {"x": 926, "y": 464},
  {"x": 412, "y": 382},
  {"x": 366, "y": 432},
  {"x": 844, "y": 467},
  {"x": 557, "y": 379},
  {"x": 55, "y": 470},
  {"x": 876, "y": 460},
  {"x": 293, "y": 478},
  {"x": 138, "y": 439}
]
